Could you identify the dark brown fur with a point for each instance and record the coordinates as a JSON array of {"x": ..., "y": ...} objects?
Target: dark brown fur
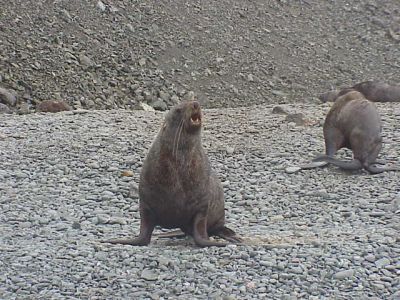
[
  {"x": 354, "y": 123},
  {"x": 178, "y": 188},
  {"x": 52, "y": 106}
]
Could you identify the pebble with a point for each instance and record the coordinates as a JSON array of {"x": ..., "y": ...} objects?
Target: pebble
[
  {"x": 101, "y": 5},
  {"x": 343, "y": 274},
  {"x": 383, "y": 262},
  {"x": 149, "y": 275}
]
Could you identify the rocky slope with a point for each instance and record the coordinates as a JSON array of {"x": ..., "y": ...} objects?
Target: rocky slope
[
  {"x": 118, "y": 53},
  {"x": 315, "y": 234}
]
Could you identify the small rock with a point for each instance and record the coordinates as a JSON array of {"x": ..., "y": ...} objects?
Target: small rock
[
  {"x": 4, "y": 109},
  {"x": 219, "y": 60},
  {"x": 85, "y": 60},
  {"x": 101, "y": 5},
  {"x": 297, "y": 118},
  {"x": 230, "y": 150},
  {"x": 279, "y": 110},
  {"x": 102, "y": 219},
  {"x": 377, "y": 214},
  {"x": 370, "y": 258},
  {"x": 383, "y": 262},
  {"x": 142, "y": 61},
  {"x": 127, "y": 173},
  {"x": 159, "y": 105},
  {"x": 76, "y": 225},
  {"x": 116, "y": 220},
  {"x": 163, "y": 95},
  {"x": 174, "y": 99},
  {"x": 291, "y": 170},
  {"x": 146, "y": 107},
  {"x": 149, "y": 275},
  {"x": 343, "y": 274},
  {"x": 23, "y": 108},
  {"x": 7, "y": 97}
]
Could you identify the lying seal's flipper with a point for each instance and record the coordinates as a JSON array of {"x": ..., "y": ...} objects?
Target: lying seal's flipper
[
  {"x": 313, "y": 165},
  {"x": 352, "y": 165},
  {"x": 376, "y": 170}
]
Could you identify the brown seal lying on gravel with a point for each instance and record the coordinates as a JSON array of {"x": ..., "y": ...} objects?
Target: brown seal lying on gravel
[
  {"x": 353, "y": 122},
  {"x": 52, "y": 106},
  {"x": 375, "y": 91},
  {"x": 178, "y": 188}
]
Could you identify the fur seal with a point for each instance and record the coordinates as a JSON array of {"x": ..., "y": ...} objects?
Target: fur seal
[
  {"x": 376, "y": 91},
  {"x": 178, "y": 188},
  {"x": 354, "y": 122}
]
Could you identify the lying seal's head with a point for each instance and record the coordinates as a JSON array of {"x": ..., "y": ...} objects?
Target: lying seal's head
[{"x": 185, "y": 117}]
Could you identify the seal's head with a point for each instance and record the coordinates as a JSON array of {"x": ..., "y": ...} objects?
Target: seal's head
[{"x": 185, "y": 117}]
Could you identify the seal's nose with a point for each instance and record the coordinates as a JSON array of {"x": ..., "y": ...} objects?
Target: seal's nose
[{"x": 195, "y": 105}]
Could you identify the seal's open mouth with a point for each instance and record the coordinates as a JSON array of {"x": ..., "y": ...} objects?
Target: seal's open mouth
[{"x": 195, "y": 119}]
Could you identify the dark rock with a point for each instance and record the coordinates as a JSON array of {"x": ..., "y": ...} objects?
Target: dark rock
[
  {"x": 4, "y": 109},
  {"x": 279, "y": 110},
  {"x": 7, "y": 97}
]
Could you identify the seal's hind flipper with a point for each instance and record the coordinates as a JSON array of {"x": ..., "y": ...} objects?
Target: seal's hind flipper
[
  {"x": 228, "y": 235},
  {"x": 352, "y": 165}
]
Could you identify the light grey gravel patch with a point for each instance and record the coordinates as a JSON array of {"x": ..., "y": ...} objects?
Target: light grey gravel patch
[{"x": 307, "y": 226}]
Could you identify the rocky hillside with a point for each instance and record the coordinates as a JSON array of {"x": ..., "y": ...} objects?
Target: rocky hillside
[{"x": 118, "y": 53}]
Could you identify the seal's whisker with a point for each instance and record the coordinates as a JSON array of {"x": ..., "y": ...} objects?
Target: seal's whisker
[
  {"x": 180, "y": 129},
  {"x": 174, "y": 143},
  {"x": 176, "y": 140}
]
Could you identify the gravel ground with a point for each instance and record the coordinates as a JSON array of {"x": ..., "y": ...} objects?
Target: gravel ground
[
  {"x": 315, "y": 234},
  {"x": 232, "y": 53}
]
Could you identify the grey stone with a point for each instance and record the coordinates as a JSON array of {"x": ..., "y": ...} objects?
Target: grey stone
[
  {"x": 149, "y": 275},
  {"x": 344, "y": 274}
]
